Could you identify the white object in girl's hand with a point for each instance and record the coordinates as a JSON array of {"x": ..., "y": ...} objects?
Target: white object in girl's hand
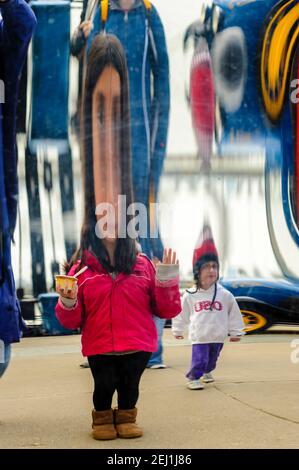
[{"x": 81, "y": 271}]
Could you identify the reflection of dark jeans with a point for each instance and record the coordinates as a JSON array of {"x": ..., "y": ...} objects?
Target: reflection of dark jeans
[
  {"x": 204, "y": 358},
  {"x": 4, "y": 357},
  {"x": 156, "y": 357},
  {"x": 121, "y": 373}
]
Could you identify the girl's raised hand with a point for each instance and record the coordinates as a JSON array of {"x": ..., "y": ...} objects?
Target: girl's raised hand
[{"x": 169, "y": 257}]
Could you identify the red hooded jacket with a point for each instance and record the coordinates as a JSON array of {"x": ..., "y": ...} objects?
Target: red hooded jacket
[{"x": 116, "y": 315}]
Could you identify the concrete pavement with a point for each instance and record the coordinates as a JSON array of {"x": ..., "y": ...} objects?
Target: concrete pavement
[{"x": 46, "y": 398}]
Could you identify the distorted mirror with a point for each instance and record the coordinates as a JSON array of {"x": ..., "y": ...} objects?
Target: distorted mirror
[
  {"x": 154, "y": 185},
  {"x": 218, "y": 142}
]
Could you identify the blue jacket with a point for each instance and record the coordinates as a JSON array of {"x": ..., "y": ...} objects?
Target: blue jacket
[
  {"x": 16, "y": 28},
  {"x": 149, "y": 109}
]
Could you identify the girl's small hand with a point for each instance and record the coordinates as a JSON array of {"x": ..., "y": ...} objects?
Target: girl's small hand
[
  {"x": 235, "y": 339},
  {"x": 179, "y": 337},
  {"x": 68, "y": 292},
  {"x": 169, "y": 257}
]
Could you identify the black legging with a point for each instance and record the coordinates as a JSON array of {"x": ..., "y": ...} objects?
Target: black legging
[{"x": 121, "y": 373}]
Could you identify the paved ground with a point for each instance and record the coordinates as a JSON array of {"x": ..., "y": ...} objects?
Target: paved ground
[{"x": 45, "y": 398}]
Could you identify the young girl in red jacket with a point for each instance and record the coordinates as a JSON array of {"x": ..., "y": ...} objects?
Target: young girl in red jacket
[{"x": 117, "y": 295}]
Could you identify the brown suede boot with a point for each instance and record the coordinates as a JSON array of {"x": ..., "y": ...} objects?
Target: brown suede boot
[
  {"x": 125, "y": 423},
  {"x": 102, "y": 425}
]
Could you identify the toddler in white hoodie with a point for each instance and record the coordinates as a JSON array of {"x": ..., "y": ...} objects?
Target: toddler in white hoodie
[{"x": 211, "y": 312}]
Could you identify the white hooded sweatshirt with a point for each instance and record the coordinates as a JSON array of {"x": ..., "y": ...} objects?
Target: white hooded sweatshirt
[{"x": 205, "y": 325}]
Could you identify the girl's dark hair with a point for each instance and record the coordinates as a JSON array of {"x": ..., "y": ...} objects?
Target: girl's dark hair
[
  {"x": 197, "y": 284},
  {"x": 106, "y": 50}
]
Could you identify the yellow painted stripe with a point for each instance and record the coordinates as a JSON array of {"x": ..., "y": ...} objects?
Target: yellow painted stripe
[
  {"x": 276, "y": 58},
  {"x": 278, "y": 44},
  {"x": 260, "y": 321}
]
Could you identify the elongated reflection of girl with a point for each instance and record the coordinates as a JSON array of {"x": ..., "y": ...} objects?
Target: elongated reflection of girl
[
  {"x": 106, "y": 146},
  {"x": 138, "y": 26},
  {"x": 117, "y": 295}
]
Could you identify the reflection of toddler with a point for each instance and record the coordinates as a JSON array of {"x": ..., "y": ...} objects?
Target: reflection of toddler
[{"x": 211, "y": 312}]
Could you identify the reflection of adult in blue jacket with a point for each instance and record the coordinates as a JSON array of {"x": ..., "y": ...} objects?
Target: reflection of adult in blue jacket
[
  {"x": 142, "y": 35},
  {"x": 17, "y": 23}
]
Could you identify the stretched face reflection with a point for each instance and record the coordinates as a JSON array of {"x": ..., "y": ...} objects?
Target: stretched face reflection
[{"x": 106, "y": 142}]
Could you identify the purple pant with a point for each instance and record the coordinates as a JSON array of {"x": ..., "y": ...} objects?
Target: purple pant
[{"x": 204, "y": 358}]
